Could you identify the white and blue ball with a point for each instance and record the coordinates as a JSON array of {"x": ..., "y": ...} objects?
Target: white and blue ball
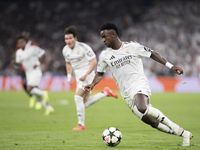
[{"x": 112, "y": 136}]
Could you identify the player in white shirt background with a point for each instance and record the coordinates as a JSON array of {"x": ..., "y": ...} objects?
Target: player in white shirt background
[
  {"x": 198, "y": 64},
  {"x": 125, "y": 63},
  {"x": 81, "y": 59},
  {"x": 32, "y": 99},
  {"x": 29, "y": 57}
]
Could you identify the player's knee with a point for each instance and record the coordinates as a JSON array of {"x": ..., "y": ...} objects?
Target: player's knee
[
  {"x": 29, "y": 89},
  {"x": 141, "y": 102},
  {"x": 142, "y": 108}
]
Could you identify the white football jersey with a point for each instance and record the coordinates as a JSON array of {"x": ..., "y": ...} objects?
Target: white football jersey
[
  {"x": 126, "y": 66},
  {"x": 79, "y": 57},
  {"x": 29, "y": 56},
  {"x": 198, "y": 61}
]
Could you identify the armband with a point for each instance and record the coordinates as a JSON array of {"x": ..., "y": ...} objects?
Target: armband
[{"x": 169, "y": 65}]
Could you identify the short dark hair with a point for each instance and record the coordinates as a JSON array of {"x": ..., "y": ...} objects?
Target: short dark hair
[
  {"x": 22, "y": 37},
  {"x": 71, "y": 30},
  {"x": 109, "y": 26}
]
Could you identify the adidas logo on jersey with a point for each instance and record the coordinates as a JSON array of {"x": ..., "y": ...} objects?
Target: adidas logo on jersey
[{"x": 112, "y": 57}]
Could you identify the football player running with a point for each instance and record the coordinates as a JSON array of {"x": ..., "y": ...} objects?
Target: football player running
[
  {"x": 81, "y": 58},
  {"x": 29, "y": 57},
  {"x": 124, "y": 61},
  {"x": 23, "y": 75}
]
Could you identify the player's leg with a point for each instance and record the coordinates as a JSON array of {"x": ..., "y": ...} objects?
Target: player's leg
[
  {"x": 150, "y": 121},
  {"x": 142, "y": 105},
  {"x": 95, "y": 98},
  {"x": 40, "y": 94},
  {"x": 80, "y": 108},
  {"x": 24, "y": 83},
  {"x": 33, "y": 80}
]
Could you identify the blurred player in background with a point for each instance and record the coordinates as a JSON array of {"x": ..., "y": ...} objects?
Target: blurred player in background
[
  {"x": 124, "y": 61},
  {"x": 23, "y": 75},
  {"x": 198, "y": 64},
  {"x": 29, "y": 57},
  {"x": 80, "y": 57}
]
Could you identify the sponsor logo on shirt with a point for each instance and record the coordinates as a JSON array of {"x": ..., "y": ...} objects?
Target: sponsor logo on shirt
[
  {"x": 147, "y": 49},
  {"x": 112, "y": 57},
  {"x": 121, "y": 61}
]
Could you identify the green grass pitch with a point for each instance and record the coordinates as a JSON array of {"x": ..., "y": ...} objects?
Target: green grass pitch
[{"x": 22, "y": 128}]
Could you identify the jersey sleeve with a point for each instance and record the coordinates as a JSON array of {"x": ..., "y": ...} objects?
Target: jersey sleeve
[
  {"x": 64, "y": 52},
  {"x": 142, "y": 51},
  {"x": 21, "y": 56},
  {"x": 38, "y": 51},
  {"x": 18, "y": 57},
  {"x": 102, "y": 65},
  {"x": 89, "y": 53}
]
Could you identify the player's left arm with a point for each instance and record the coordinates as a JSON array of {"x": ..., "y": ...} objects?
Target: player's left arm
[
  {"x": 155, "y": 56},
  {"x": 93, "y": 63}
]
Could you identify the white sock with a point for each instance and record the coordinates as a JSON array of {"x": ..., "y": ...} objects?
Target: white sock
[
  {"x": 158, "y": 115},
  {"x": 136, "y": 112},
  {"x": 93, "y": 99},
  {"x": 39, "y": 99},
  {"x": 164, "y": 128},
  {"x": 37, "y": 91},
  {"x": 44, "y": 104},
  {"x": 80, "y": 107}
]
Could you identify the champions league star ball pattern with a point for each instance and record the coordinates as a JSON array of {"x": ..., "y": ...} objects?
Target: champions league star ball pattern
[{"x": 112, "y": 136}]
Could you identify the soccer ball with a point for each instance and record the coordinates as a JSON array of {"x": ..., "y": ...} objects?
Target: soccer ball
[{"x": 112, "y": 136}]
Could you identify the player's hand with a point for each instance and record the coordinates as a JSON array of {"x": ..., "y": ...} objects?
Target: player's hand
[
  {"x": 88, "y": 88},
  {"x": 35, "y": 66},
  {"x": 177, "y": 70},
  {"x": 71, "y": 81},
  {"x": 12, "y": 62},
  {"x": 83, "y": 77}
]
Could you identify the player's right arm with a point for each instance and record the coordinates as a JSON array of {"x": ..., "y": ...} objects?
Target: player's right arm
[
  {"x": 96, "y": 80},
  {"x": 13, "y": 62},
  {"x": 69, "y": 72},
  {"x": 101, "y": 68}
]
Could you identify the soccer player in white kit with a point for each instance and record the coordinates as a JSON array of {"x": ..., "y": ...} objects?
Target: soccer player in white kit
[
  {"x": 28, "y": 56},
  {"x": 81, "y": 58},
  {"x": 198, "y": 64},
  {"x": 124, "y": 61}
]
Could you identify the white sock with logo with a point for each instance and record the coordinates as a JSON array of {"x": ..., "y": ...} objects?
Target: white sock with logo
[
  {"x": 80, "y": 107},
  {"x": 164, "y": 128},
  {"x": 158, "y": 115},
  {"x": 93, "y": 99}
]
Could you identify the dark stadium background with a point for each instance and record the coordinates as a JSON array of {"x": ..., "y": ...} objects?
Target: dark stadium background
[{"x": 171, "y": 27}]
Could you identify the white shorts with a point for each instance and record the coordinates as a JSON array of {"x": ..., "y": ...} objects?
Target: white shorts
[
  {"x": 142, "y": 88},
  {"x": 88, "y": 80},
  {"x": 34, "y": 77}
]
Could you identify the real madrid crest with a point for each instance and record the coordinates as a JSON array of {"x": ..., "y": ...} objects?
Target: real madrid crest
[{"x": 127, "y": 51}]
